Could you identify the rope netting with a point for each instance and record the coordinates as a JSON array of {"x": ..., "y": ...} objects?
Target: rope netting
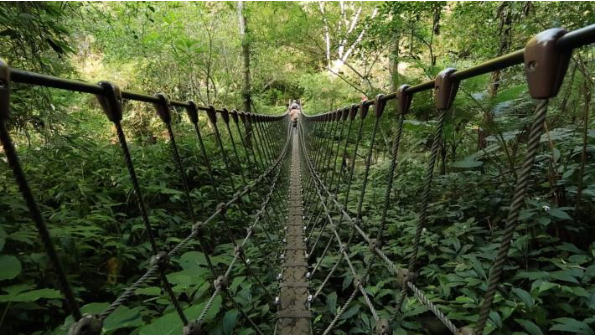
[
  {"x": 335, "y": 223},
  {"x": 337, "y": 226},
  {"x": 264, "y": 141}
]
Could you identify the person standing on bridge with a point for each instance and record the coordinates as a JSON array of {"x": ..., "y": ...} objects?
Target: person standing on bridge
[{"x": 295, "y": 109}]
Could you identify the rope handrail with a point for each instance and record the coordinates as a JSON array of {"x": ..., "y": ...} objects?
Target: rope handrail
[{"x": 38, "y": 79}]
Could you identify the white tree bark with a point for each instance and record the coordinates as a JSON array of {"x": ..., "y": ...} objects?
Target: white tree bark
[
  {"x": 344, "y": 28},
  {"x": 326, "y": 30}
]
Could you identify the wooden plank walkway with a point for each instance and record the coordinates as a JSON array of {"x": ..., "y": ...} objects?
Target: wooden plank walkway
[{"x": 294, "y": 316}]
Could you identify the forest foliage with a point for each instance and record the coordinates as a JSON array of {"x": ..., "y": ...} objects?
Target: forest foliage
[{"x": 328, "y": 55}]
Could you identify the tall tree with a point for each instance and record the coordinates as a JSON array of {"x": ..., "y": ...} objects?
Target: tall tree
[{"x": 246, "y": 50}]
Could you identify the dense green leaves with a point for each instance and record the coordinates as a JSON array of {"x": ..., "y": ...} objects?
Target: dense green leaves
[{"x": 192, "y": 50}]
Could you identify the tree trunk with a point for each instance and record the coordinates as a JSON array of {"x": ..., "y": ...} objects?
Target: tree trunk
[
  {"x": 393, "y": 65},
  {"x": 437, "y": 12},
  {"x": 504, "y": 14},
  {"x": 246, "y": 51},
  {"x": 393, "y": 60}
]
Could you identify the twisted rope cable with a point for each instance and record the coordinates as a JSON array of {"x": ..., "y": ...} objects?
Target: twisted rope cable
[
  {"x": 339, "y": 314},
  {"x": 240, "y": 165},
  {"x": 40, "y": 224},
  {"x": 318, "y": 140},
  {"x": 252, "y": 136},
  {"x": 266, "y": 144},
  {"x": 208, "y": 305},
  {"x": 359, "y": 212},
  {"x": 129, "y": 292},
  {"x": 340, "y": 137},
  {"x": 344, "y": 153},
  {"x": 187, "y": 193},
  {"x": 432, "y": 307},
  {"x": 207, "y": 160},
  {"x": 330, "y": 152},
  {"x": 246, "y": 151},
  {"x": 224, "y": 155},
  {"x": 354, "y": 156},
  {"x": 327, "y": 161},
  {"x": 511, "y": 223},
  {"x": 136, "y": 188},
  {"x": 168, "y": 288},
  {"x": 390, "y": 178},
  {"x": 426, "y": 197},
  {"x": 244, "y": 314},
  {"x": 316, "y": 176}
]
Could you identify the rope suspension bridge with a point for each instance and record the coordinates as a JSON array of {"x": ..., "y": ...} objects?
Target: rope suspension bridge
[{"x": 300, "y": 177}]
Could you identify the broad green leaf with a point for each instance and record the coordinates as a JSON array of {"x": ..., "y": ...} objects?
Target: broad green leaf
[
  {"x": 16, "y": 289},
  {"x": 44, "y": 293},
  {"x": 530, "y": 327},
  {"x": 230, "y": 321},
  {"x": 152, "y": 290},
  {"x": 569, "y": 325},
  {"x": 192, "y": 259},
  {"x": 92, "y": 308},
  {"x": 331, "y": 300},
  {"x": 496, "y": 319},
  {"x": 559, "y": 214},
  {"x": 95, "y": 307},
  {"x": 543, "y": 220},
  {"x": 467, "y": 164},
  {"x": 10, "y": 267},
  {"x": 564, "y": 275},
  {"x": 532, "y": 275},
  {"x": 352, "y": 311},
  {"x": 123, "y": 317},
  {"x": 170, "y": 323},
  {"x": 524, "y": 296},
  {"x": 236, "y": 282},
  {"x": 540, "y": 286}
]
